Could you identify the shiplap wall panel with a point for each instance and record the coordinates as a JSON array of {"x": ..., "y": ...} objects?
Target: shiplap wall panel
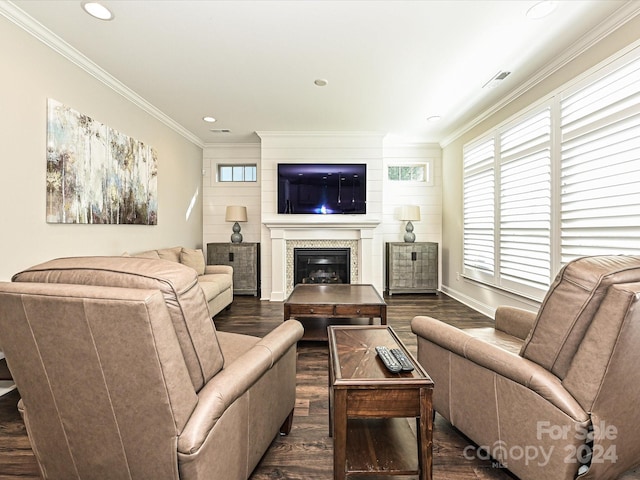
[{"x": 384, "y": 198}]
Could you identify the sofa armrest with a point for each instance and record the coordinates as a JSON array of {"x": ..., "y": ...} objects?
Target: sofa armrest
[
  {"x": 500, "y": 361},
  {"x": 514, "y": 321},
  {"x": 233, "y": 381},
  {"x": 218, "y": 269}
]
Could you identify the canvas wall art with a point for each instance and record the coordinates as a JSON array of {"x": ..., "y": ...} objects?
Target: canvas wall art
[{"x": 96, "y": 174}]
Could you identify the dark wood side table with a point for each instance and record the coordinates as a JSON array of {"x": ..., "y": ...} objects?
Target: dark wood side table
[
  {"x": 369, "y": 407},
  {"x": 244, "y": 258}
]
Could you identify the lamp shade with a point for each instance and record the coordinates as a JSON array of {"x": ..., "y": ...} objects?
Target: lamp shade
[
  {"x": 410, "y": 212},
  {"x": 236, "y": 213}
]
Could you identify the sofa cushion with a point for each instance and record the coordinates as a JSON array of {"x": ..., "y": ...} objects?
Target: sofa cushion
[
  {"x": 147, "y": 254},
  {"x": 222, "y": 280},
  {"x": 194, "y": 258},
  {"x": 172, "y": 254},
  {"x": 210, "y": 289},
  {"x": 180, "y": 288},
  {"x": 570, "y": 305}
]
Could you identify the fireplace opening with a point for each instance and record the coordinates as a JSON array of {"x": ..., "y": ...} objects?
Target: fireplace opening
[{"x": 321, "y": 265}]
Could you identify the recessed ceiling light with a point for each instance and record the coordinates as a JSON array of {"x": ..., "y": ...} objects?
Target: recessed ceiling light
[
  {"x": 542, "y": 9},
  {"x": 97, "y": 10},
  {"x": 434, "y": 118},
  {"x": 321, "y": 82},
  {"x": 209, "y": 119}
]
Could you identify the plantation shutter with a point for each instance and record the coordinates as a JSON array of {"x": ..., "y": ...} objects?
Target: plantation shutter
[
  {"x": 478, "y": 209},
  {"x": 600, "y": 165},
  {"x": 525, "y": 204}
]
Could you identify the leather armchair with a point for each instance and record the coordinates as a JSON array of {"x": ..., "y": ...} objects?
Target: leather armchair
[
  {"x": 122, "y": 374},
  {"x": 552, "y": 394}
]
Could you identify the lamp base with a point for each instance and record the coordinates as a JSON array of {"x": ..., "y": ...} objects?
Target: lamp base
[
  {"x": 409, "y": 236},
  {"x": 236, "y": 236}
]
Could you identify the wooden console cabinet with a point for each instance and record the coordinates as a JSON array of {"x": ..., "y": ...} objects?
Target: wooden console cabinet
[
  {"x": 412, "y": 267},
  {"x": 245, "y": 260}
]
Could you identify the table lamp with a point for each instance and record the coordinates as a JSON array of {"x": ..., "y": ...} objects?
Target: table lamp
[
  {"x": 236, "y": 213},
  {"x": 409, "y": 213}
]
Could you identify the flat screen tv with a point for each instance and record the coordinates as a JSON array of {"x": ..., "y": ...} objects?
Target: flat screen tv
[{"x": 322, "y": 189}]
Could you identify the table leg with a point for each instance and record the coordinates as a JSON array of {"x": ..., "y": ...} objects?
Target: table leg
[
  {"x": 339, "y": 434},
  {"x": 425, "y": 434},
  {"x": 330, "y": 394},
  {"x": 383, "y": 315}
]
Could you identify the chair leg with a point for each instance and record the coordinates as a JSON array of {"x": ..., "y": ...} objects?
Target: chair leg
[{"x": 286, "y": 426}]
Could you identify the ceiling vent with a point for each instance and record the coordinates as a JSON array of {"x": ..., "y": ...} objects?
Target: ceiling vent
[
  {"x": 497, "y": 78},
  {"x": 220, "y": 130}
]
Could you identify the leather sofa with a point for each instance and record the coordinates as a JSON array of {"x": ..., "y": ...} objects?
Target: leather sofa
[
  {"x": 215, "y": 280},
  {"x": 552, "y": 394},
  {"x": 122, "y": 374}
]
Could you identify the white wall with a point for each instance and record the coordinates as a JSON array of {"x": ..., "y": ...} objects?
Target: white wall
[
  {"x": 217, "y": 195},
  {"x": 427, "y": 197},
  {"x": 383, "y": 201},
  {"x": 482, "y": 297},
  {"x": 321, "y": 147},
  {"x": 31, "y": 73}
]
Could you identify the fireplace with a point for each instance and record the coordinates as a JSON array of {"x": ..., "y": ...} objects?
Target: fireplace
[
  {"x": 321, "y": 265},
  {"x": 336, "y": 232}
]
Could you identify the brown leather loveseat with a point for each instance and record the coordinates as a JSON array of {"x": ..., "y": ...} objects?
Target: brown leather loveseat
[
  {"x": 123, "y": 375},
  {"x": 553, "y": 395}
]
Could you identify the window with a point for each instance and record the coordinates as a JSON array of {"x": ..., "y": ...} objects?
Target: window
[
  {"x": 514, "y": 235},
  {"x": 479, "y": 208},
  {"x": 525, "y": 203},
  {"x": 600, "y": 165},
  {"x": 237, "y": 173},
  {"x": 419, "y": 172}
]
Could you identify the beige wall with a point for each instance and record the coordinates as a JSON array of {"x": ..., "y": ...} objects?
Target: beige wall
[
  {"x": 481, "y": 297},
  {"x": 31, "y": 73}
]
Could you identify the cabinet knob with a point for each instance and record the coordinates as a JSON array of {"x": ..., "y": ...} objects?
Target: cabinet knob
[
  {"x": 311, "y": 310},
  {"x": 358, "y": 311}
]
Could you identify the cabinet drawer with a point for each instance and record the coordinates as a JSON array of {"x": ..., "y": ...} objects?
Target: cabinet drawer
[
  {"x": 302, "y": 310},
  {"x": 357, "y": 311}
]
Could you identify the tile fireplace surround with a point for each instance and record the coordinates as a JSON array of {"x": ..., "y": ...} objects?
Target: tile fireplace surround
[{"x": 286, "y": 234}]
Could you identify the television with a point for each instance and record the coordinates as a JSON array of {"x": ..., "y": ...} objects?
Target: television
[{"x": 323, "y": 189}]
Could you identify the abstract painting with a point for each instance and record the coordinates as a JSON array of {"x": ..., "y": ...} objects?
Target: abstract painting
[{"x": 96, "y": 174}]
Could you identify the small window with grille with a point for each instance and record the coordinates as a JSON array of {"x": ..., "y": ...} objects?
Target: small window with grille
[{"x": 237, "y": 173}]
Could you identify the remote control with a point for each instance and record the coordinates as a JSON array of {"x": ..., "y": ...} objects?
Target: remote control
[
  {"x": 388, "y": 359},
  {"x": 404, "y": 362}
]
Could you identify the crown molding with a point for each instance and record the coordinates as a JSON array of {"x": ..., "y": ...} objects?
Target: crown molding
[
  {"x": 623, "y": 15},
  {"x": 40, "y": 32},
  {"x": 232, "y": 145},
  {"x": 302, "y": 133}
]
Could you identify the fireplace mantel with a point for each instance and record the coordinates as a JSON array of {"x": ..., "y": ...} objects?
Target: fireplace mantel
[{"x": 315, "y": 222}]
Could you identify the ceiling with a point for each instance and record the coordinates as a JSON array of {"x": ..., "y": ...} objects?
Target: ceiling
[{"x": 390, "y": 65}]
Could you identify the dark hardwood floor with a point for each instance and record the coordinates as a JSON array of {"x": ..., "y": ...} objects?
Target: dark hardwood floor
[{"x": 306, "y": 453}]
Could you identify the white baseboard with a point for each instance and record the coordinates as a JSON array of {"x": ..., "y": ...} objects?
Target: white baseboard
[{"x": 470, "y": 302}]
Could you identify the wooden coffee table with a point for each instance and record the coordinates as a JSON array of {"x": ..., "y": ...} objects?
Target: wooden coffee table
[
  {"x": 369, "y": 407},
  {"x": 323, "y": 302}
]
